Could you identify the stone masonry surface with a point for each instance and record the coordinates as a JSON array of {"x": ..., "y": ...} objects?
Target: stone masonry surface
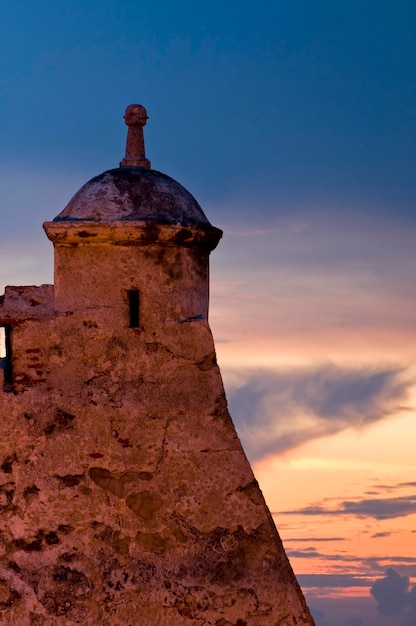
[{"x": 125, "y": 496}]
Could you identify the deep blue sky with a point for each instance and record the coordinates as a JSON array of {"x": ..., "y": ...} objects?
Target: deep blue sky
[{"x": 288, "y": 102}]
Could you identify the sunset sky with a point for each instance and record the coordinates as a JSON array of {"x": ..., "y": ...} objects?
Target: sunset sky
[{"x": 293, "y": 123}]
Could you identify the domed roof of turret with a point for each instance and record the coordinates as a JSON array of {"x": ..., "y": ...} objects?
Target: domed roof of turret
[{"x": 134, "y": 192}]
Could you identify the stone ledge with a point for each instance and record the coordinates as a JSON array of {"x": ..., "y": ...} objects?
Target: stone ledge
[{"x": 122, "y": 233}]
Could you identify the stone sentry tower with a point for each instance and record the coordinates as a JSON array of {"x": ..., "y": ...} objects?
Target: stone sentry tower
[{"x": 125, "y": 496}]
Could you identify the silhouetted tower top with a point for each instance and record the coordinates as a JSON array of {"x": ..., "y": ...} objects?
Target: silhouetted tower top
[{"x": 135, "y": 193}]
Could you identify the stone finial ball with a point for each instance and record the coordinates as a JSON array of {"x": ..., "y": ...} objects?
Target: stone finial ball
[{"x": 135, "y": 114}]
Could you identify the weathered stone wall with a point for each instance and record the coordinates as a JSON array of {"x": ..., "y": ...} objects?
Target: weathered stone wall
[
  {"x": 173, "y": 283},
  {"x": 27, "y": 311},
  {"x": 123, "y": 508},
  {"x": 125, "y": 496}
]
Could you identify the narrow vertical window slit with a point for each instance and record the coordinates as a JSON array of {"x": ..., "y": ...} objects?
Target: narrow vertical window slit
[
  {"x": 134, "y": 305},
  {"x": 6, "y": 354}
]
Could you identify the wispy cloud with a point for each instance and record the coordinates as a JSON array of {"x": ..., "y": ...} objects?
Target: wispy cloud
[
  {"x": 369, "y": 564},
  {"x": 333, "y": 580},
  {"x": 311, "y": 553},
  {"x": 389, "y": 488},
  {"x": 313, "y": 539},
  {"x": 376, "y": 508},
  {"x": 276, "y": 410}
]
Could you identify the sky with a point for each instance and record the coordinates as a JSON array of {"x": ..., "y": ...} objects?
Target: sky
[{"x": 294, "y": 125}]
